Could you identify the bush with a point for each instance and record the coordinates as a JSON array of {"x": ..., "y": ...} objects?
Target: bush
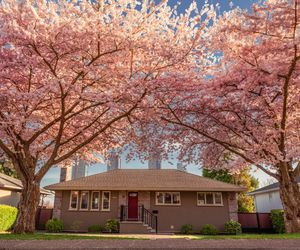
[
  {"x": 54, "y": 225},
  {"x": 95, "y": 229},
  {"x": 8, "y": 216},
  {"x": 186, "y": 229},
  {"x": 209, "y": 229},
  {"x": 112, "y": 226},
  {"x": 277, "y": 218},
  {"x": 233, "y": 227}
]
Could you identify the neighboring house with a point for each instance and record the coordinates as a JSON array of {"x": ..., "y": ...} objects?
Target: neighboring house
[
  {"x": 268, "y": 198},
  {"x": 10, "y": 190},
  {"x": 145, "y": 200}
]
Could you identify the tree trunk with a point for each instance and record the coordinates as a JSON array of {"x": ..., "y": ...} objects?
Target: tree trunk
[
  {"x": 290, "y": 198},
  {"x": 28, "y": 204}
]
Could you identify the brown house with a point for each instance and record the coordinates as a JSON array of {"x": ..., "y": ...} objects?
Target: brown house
[{"x": 145, "y": 201}]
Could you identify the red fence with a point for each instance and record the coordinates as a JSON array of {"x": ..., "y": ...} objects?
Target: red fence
[
  {"x": 255, "y": 221},
  {"x": 42, "y": 216}
]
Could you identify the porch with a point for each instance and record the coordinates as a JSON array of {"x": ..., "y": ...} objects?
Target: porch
[{"x": 137, "y": 219}]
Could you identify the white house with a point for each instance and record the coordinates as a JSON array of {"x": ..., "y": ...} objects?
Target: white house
[{"x": 268, "y": 198}]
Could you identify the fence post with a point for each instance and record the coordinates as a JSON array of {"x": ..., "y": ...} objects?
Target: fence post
[{"x": 258, "y": 222}]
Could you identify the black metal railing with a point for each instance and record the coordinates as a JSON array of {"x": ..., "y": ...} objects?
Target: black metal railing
[{"x": 143, "y": 215}]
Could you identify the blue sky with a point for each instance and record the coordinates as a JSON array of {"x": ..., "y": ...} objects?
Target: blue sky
[{"x": 53, "y": 175}]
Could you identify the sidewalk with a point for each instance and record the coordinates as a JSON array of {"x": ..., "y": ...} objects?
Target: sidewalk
[{"x": 152, "y": 244}]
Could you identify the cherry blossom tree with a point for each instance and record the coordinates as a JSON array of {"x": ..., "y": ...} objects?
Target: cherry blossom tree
[
  {"x": 73, "y": 73},
  {"x": 247, "y": 103}
]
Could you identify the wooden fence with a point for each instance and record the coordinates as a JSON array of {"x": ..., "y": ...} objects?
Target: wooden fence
[
  {"x": 255, "y": 222},
  {"x": 42, "y": 216}
]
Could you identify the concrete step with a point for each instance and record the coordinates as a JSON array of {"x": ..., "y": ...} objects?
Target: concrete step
[{"x": 137, "y": 227}]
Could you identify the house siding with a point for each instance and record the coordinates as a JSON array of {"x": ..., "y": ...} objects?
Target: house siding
[
  {"x": 80, "y": 220},
  {"x": 265, "y": 202},
  {"x": 171, "y": 217},
  {"x": 8, "y": 197}
]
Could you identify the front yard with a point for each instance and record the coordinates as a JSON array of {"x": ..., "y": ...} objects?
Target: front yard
[{"x": 68, "y": 236}]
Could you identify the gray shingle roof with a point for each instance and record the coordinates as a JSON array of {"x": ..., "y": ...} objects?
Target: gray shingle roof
[
  {"x": 10, "y": 183},
  {"x": 145, "y": 179},
  {"x": 271, "y": 187}
]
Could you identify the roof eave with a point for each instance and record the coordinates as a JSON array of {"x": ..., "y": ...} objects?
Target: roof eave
[{"x": 147, "y": 189}]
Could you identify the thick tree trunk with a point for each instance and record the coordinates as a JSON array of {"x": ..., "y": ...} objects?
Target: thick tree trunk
[
  {"x": 290, "y": 198},
  {"x": 27, "y": 208}
]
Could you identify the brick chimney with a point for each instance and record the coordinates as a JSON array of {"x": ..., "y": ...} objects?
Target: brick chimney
[{"x": 65, "y": 172}]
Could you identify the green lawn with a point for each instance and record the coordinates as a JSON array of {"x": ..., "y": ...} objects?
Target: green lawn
[
  {"x": 70, "y": 236},
  {"x": 63, "y": 236},
  {"x": 247, "y": 236}
]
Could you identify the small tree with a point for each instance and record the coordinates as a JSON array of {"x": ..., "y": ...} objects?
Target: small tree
[
  {"x": 243, "y": 178},
  {"x": 75, "y": 75}
]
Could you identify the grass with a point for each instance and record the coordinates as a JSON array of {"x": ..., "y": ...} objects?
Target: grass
[
  {"x": 64, "y": 236},
  {"x": 70, "y": 236},
  {"x": 246, "y": 236}
]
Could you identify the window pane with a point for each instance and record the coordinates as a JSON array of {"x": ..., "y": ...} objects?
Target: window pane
[
  {"x": 160, "y": 198},
  {"x": 176, "y": 198},
  {"x": 218, "y": 198},
  {"x": 201, "y": 198},
  {"x": 84, "y": 200},
  {"x": 168, "y": 198},
  {"x": 95, "y": 200},
  {"x": 209, "y": 198},
  {"x": 74, "y": 197},
  {"x": 105, "y": 201}
]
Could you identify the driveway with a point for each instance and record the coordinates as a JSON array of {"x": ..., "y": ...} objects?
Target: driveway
[{"x": 149, "y": 244}]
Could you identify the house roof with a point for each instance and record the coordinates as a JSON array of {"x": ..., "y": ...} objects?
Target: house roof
[
  {"x": 146, "y": 179},
  {"x": 269, "y": 188},
  {"x": 10, "y": 183}
]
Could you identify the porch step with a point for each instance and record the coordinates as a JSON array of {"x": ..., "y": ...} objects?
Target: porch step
[{"x": 137, "y": 227}]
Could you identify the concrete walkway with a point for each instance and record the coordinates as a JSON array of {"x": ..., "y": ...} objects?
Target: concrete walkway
[{"x": 149, "y": 244}]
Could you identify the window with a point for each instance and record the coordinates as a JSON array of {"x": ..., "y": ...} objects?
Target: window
[
  {"x": 167, "y": 198},
  {"x": 95, "y": 200},
  {"x": 209, "y": 199},
  {"x": 73, "y": 200},
  {"x": 105, "y": 201},
  {"x": 84, "y": 200}
]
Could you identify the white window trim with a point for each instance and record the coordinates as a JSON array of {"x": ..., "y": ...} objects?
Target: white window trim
[
  {"x": 91, "y": 207},
  {"x": 102, "y": 199},
  {"x": 70, "y": 208},
  {"x": 84, "y": 209},
  {"x": 167, "y": 204},
  {"x": 214, "y": 202}
]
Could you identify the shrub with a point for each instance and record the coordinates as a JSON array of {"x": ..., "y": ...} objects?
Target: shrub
[
  {"x": 277, "y": 218},
  {"x": 8, "y": 217},
  {"x": 54, "y": 225},
  {"x": 112, "y": 226},
  {"x": 186, "y": 229},
  {"x": 233, "y": 227},
  {"x": 76, "y": 224},
  {"x": 95, "y": 229},
  {"x": 209, "y": 229}
]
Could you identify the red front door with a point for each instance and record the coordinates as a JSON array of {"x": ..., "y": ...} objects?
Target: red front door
[{"x": 132, "y": 205}]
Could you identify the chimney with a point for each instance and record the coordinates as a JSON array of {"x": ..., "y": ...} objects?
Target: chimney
[
  {"x": 113, "y": 161},
  {"x": 154, "y": 161},
  {"x": 181, "y": 167},
  {"x": 65, "y": 172},
  {"x": 78, "y": 169}
]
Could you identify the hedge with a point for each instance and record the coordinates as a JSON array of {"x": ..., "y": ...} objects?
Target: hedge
[
  {"x": 277, "y": 218},
  {"x": 8, "y": 216}
]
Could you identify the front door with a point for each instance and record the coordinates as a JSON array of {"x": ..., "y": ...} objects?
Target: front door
[{"x": 133, "y": 206}]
